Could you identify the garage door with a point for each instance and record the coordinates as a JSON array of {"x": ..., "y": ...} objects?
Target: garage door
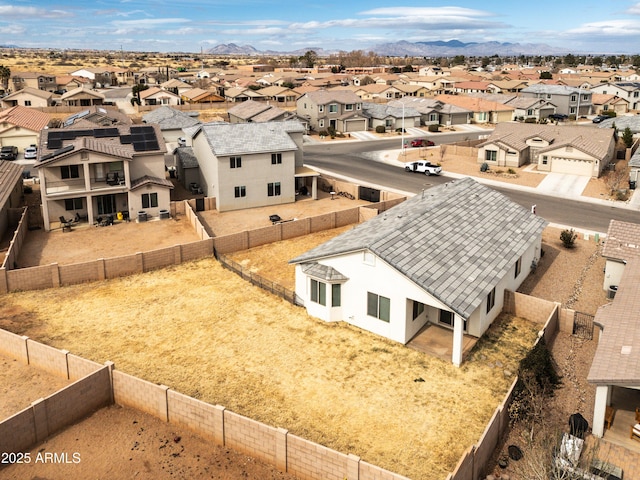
[
  {"x": 356, "y": 125},
  {"x": 572, "y": 166},
  {"x": 20, "y": 142}
]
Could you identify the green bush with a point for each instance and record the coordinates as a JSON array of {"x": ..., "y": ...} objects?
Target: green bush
[
  {"x": 323, "y": 133},
  {"x": 530, "y": 120},
  {"x": 511, "y": 171},
  {"x": 568, "y": 238},
  {"x": 434, "y": 128},
  {"x": 380, "y": 129}
]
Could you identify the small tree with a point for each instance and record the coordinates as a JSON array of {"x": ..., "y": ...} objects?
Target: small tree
[
  {"x": 627, "y": 137},
  {"x": 568, "y": 238}
]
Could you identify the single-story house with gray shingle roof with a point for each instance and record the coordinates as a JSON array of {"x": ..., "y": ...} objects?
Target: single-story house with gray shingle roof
[
  {"x": 247, "y": 165},
  {"x": 575, "y": 150},
  {"x": 443, "y": 257},
  {"x": 616, "y": 363},
  {"x": 171, "y": 122},
  {"x": 434, "y": 112},
  {"x": 390, "y": 117}
]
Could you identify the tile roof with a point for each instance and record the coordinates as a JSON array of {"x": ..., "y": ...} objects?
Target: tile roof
[
  {"x": 25, "y": 117},
  {"x": 617, "y": 357},
  {"x": 456, "y": 241},
  {"x": 246, "y": 138},
  {"x": 474, "y": 104},
  {"x": 149, "y": 180},
  {"x": 322, "y": 97},
  {"x": 248, "y": 109},
  {"x": 590, "y": 140},
  {"x": 623, "y": 241},
  {"x": 29, "y": 91}
]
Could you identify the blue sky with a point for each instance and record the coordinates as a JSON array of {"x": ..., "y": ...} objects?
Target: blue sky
[{"x": 585, "y": 26}]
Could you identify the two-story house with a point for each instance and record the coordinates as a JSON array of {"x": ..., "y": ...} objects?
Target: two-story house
[
  {"x": 96, "y": 172},
  {"x": 337, "y": 109},
  {"x": 40, "y": 81},
  {"x": 629, "y": 91},
  {"x": 568, "y": 100},
  {"x": 247, "y": 165}
]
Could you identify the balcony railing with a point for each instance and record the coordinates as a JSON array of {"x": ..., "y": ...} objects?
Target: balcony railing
[{"x": 78, "y": 185}]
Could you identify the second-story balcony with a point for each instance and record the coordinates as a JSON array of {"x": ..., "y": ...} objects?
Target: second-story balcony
[{"x": 114, "y": 181}]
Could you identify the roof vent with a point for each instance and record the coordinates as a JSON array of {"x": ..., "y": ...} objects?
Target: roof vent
[{"x": 625, "y": 350}]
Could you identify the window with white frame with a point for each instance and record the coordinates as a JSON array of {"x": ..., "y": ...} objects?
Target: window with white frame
[
  {"x": 235, "y": 162},
  {"x": 491, "y": 155},
  {"x": 378, "y": 307},
  {"x": 321, "y": 123},
  {"x": 333, "y": 108},
  {"x": 69, "y": 171},
  {"x": 73, "y": 204},
  {"x": 321, "y": 108},
  {"x": 349, "y": 107},
  {"x": 336, "y": 295},
  {"x": 240, "y": 191},
  {"x": 276, "y": 158},
  {"x": 518, "y": 267}
]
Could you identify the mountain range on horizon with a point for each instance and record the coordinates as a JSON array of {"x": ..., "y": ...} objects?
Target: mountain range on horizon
[{"x": 402, "y": 48}]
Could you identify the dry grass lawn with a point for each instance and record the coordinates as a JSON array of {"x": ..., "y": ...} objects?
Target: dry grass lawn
[{"x": 205, "y": 332}]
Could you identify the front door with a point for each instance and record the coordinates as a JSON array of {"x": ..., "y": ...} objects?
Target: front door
[{"x": 106, "y": 204}]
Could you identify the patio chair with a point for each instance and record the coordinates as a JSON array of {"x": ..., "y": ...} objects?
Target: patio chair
[
  {"x": 638, "y": 415},
  {"x": 65, "y": 224}
]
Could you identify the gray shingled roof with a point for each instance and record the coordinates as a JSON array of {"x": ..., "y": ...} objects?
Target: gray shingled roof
[
  {"x": 245, "y": 138},
  {"x": 169, "y": 118},
  {"x": 623, "y": 241},
  {"x": 384, "y": 110},
  {"x": 186, "y": 157},
  {"x": 553, "y": 89},
  {"x": 456, "y": 241},
  {"x": 322, "y": 97}
]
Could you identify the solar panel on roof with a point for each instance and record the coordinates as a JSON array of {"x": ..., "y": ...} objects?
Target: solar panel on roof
[
  {"x": 142, "y": 129},
  {"x": 84, "y": 133},
  {"x": 151, "y": 145},
  {"x": 105, "y": 132},
  {"x": 54, "y": 143},
  {"x": 55, "y": 136},
  {"x": 125, "y": 139},
  {"x": 68, "y": 135}
]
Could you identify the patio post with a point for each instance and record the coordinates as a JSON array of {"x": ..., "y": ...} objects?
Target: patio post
[
  {"x": 600, "y": 405},
  {"x": 458, "y": 325}
]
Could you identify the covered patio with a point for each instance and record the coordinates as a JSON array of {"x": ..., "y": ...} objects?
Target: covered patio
[
  {"x": 438, "y": 341},
  {"x": 624, "y": 402}
]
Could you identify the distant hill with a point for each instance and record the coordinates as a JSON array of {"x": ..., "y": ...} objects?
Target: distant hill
[{"x": 440, "y": 48}]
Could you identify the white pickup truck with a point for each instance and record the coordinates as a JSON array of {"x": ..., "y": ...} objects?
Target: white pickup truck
[{"x": 422, "y": 166}]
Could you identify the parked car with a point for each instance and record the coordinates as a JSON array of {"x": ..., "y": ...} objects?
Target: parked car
[
  {"x": 600, "y": 118},
  {"x": 421, "y": 142},
  {"x": 558, "y": 116},
  {"x": 30, "y": 152},
  {"x": 8, "y": 153},
  {"x": 423, "y": 167}
]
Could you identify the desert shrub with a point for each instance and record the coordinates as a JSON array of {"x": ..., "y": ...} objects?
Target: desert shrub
[
  {"x": 380, "y": 129},
  {"x": 622, "y": 195},
  {"x": 434, "y": 128},
  {"x": 484, "y": 167},
  {"x": 332, "y": 132},
  {"x": 568, "y": 237},
  {"x": 323, "y": 133},
  {"x": 537, "y": 381},
  {"x": 530, "y": 120},
  {"x": 511, "y": 171},
  {"x": 499, "y": 172}
]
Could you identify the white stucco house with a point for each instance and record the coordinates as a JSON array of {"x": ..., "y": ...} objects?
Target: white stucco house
[{"x": 443, "y": 257}]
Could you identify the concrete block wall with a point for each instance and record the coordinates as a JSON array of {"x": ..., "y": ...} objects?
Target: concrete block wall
[
  {"x": 160, "y": 258},
  {"x": 525, "y": 306},
  {"x": 231, "y": 243},
  {"x": 196, "y": 250},
  {"x": 33, "y": 278},
  {"x": 308, "y": 460},
  {"x": 17, "y": 433},
  {"x": 265, "y": 235},
  {"x": 49, "y": 415},
  {"x": 14, "y": 346},
  {"x": 73, "y": 402},
  {"x": 81, "y": 272},
  {"x": 15, "y": 245},
  {"x": 368, "y": 471},
  {"x": 367, "y": 214},
  {"x": 322, "y": 222},
  {"x": 201, "y": 417},
  {"x": 250, "y": 436},
  {"x": 48, "y": 358},
  {"x": 136, "y": 393},
  {"x": 347, "y": 217},
  {"x": 79, "y": 367},
  {"x": 123, "y": 266},
  {"x": 298, "y": 228}
]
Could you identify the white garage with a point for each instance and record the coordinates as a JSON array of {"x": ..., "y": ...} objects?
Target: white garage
[{"x": 573, "y": 166}]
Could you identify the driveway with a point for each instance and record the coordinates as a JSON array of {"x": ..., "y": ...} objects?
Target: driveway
[{"x": 563, "y": 185}]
